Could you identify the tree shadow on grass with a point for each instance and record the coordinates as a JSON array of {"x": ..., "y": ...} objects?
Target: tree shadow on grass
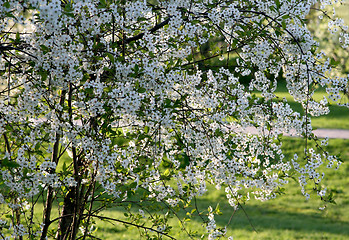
[
  {"x": 296, "y": 221},
  {"x": 265, "y": 218},
  {"x": 112, "y": 228},
  {"x": 268, "y": 219}
]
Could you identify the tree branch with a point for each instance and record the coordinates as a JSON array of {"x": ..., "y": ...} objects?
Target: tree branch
[
  {"x": 152, "y": 30},
  {"x": 4, "y": 48},
  {"x": 135, "y": 225},
  {"x": 7, "y": 143}
]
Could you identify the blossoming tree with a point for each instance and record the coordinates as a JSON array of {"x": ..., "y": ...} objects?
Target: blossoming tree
[{"x": 110, "y": 103}]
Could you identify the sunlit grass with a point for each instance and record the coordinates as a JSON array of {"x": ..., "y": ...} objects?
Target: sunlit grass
[
  {"x": 288, "y": 216},
  {"x": 338, "y": 118}
]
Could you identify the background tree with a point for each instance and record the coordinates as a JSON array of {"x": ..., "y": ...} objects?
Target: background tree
[
  {"x": 334, "y": 45},
  {"x": 107, "y": 103}
]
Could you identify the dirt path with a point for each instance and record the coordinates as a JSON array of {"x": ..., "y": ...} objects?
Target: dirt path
[
  {"x": 332, "y": 133},
  {"x": 320, "y": 133}
]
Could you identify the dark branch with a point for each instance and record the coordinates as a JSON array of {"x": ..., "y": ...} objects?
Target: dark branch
[
  {"x": 4, "y": 48},
  {"x": 152, "y": 30},
  {"x": 133, "y": 224}
]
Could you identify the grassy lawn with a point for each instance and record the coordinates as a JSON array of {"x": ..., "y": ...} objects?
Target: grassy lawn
[
  {"x": 288, "y": 216},
  {"x": 337, "y": 118}
]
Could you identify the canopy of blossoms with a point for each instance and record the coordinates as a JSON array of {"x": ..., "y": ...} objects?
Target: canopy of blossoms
[{"x": 118, "y": 96}]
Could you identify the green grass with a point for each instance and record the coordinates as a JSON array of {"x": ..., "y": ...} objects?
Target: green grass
[
  {"x": 288, "y": 216},
  {"x": 338, "y": 118}
]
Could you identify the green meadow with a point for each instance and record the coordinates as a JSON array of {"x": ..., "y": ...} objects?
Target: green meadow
[
  {"x": 289, "y": 216},
  {"x": 338, "y": 118}
]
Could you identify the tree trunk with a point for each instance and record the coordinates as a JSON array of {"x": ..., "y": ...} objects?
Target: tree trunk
[{"x": 65, "y": 226}]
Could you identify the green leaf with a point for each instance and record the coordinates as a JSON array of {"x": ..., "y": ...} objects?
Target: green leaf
[
  {"x": 18, "y": 38},
  {"x": 9, "y": 164},
  {"x": 6, "y": 4},
  {"x": 334, "y": 62},
  {"x": 146, "y": 129},
  {"x": 37, "y": 146},
  {"x": 111, "y": 57},
  {"x": 102, "y": 4},
  {"x": 44, "y": 49},
  {"x": 136, "y": 68},
  {"x": 167, "y": 172},
  {"x": 141, "y": 90},
  {"x": 277, "y": 2},
  {"x": 283, "y": 23}
]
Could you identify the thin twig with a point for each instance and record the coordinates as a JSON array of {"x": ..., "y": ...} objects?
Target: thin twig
[{"x": 133, "y": 224}]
